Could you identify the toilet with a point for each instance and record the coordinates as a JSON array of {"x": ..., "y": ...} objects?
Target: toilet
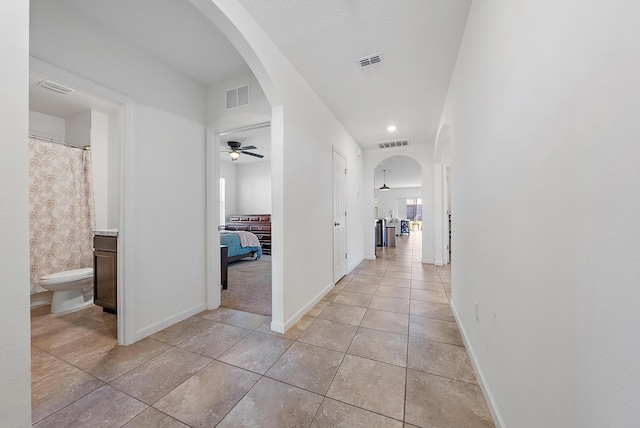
[{"x": 72, "y": 289}]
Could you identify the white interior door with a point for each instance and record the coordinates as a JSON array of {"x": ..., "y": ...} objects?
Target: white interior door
[{"x": 339, "y": 217}]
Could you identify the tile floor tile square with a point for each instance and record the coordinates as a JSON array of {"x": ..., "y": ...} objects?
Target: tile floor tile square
[
  {"x": 397, "y": 292},
  {"x": 206, "y": 397},
  {"x": 361, "y": 287},
  {"x": 215, "y": 340},
  {"x": 440, "y": 359},
  {"x": 334, "y": 414},
  {"x": 381, "y": 346},
  {"x": 390, "y": 304},
  {"x": 96, "y": 410},
  {"x": 396, "y": 282},
  {"x": 307, "y": 366},
  {"x": 256, "y": 352},
  {"x": 353, "y": 299},
  {"x": 343, "y": 314},
  {"x": 438, "y": 330},
  {"x": 386, "y": 321},
  {"x": 329, "y": 334},
  {"x": 154, "y": 379},
  {"x": 182, "y": 330},
  {"x": 273, "y": 404},
  {"x": 154, "y": 418},
  {"x": 366, "y": 279},
  {"x": 429, "y": 296},
  {"x": 437, "y": 401},
  {"x": 431, "y": 310},
  {"x": 371, "y": 385}
]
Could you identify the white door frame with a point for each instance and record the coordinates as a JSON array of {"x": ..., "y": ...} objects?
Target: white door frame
[
  {"x": 126, "y": 303},
  {"x": 339, "y": 221}
]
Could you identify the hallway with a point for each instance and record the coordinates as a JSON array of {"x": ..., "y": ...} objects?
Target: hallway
[{"x": 381, "y": 349}]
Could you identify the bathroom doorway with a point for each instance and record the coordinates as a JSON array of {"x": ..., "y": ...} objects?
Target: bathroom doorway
[{"x": 70, "y": 114}]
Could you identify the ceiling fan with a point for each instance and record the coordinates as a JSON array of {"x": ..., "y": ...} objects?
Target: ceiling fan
[{"x": 235, "y": 149}]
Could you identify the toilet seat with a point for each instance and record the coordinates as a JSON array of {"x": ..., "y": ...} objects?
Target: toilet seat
[{"x": 67, "y": 276}]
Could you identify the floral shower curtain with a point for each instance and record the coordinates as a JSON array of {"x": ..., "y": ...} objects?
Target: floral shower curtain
[{"x": 61, "y": 209}]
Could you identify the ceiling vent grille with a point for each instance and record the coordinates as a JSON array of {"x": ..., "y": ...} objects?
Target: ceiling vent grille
[
  {"x": 238, "y": 96},
  {"x": 53, "y": 86},
  {"x": 396, "y": 143},
  {"x": 370, "y": 60}
]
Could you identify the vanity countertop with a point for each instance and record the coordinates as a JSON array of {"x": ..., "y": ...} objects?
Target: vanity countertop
[{"x": 106, "y": 232}]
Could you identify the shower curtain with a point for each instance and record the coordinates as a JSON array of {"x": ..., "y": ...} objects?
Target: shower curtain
[{"x": 61, "y": 209}]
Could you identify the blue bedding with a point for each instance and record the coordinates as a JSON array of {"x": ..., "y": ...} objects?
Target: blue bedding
[{"x": 232, "y": 241}]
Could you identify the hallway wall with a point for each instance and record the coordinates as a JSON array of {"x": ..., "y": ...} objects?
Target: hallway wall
[
  {"x": 543, "y": 109},
  {"x": 303, "y": 134}
]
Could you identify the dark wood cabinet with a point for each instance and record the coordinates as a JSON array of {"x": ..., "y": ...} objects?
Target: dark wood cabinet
[
  {"x": 105, "y": 272},
  {"x": 258, "y": 224}
]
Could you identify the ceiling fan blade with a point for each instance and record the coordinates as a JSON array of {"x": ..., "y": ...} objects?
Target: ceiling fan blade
[
  {"x": 248, "y": 148},
  {"x": 253, "y": 154}
]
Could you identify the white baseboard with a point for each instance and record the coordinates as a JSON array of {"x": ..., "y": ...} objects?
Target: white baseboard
[
  {"x": 428, "y": 261},
  {"x": 438, "y": 263},
  {"x": 488, "y": 396},
  {"x": 282, "y": 328},
  {"x": 148, "y": 331}
]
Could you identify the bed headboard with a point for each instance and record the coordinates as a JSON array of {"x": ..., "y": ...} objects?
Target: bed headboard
[{"x": 258, "y": 224}]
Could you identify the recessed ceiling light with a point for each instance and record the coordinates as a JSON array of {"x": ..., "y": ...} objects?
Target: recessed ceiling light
[{"x": 391, "y": 128}]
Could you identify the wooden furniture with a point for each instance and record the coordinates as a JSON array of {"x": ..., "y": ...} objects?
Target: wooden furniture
[
  {"x": 105, "y": 272},
  {"x": 224, "y": 266},
  {"x": 258, "y": 224},
  {"x": 224, "y": 263}
]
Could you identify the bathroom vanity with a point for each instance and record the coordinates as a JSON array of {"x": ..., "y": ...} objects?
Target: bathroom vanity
[{"x": 105, "y": 269}]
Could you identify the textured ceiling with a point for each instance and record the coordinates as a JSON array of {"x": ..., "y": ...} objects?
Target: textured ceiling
[
  {"x": 172, "y": 30},
  {"x": 419, "y": 40}
]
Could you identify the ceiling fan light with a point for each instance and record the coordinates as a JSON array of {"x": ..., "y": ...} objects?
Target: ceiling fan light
[{"x": 234, "y": 154}]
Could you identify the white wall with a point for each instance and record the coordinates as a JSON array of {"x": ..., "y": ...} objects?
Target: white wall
[
  {"x": 15, "y": 375},
  {"x": 421, "y": 153},
  {"x": 229, "y": 171},
  {"x": 221, "y": 119},
  {"x": 254, "y": 188},
  {"x": 543, "y": 110},
  {"x": 78, "y": 129},
  {"x": 163, "y": 224},
  {"x": 303, "y": 132},
  {"x": 47, "y": 126}
]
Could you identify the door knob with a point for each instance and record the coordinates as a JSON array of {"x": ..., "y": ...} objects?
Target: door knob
[{"x": 336, "y": 224}]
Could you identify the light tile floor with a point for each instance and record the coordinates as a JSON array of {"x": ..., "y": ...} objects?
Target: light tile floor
[{"x": 380, "y": 350}]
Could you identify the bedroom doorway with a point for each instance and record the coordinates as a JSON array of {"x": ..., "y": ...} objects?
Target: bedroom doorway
[{"x": 245, "y": 218}]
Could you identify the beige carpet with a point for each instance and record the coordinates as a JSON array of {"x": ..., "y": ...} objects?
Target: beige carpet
[{"x": 249, "y": 286}]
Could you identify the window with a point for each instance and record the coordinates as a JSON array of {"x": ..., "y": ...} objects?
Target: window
[
  {"x": 414, "y": 209},
  {"x": 223, "y": 218}
]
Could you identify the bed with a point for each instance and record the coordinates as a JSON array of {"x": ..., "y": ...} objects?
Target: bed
[{"x": 236, "y": 245}]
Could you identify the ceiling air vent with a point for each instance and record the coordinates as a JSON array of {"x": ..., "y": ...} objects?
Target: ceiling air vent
[
  {"x": 370, "y": 60},
  {"x": 396, "y": 143},
  {"x": 238, "y": 96},
  {"x": 53, "y": 86}
]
